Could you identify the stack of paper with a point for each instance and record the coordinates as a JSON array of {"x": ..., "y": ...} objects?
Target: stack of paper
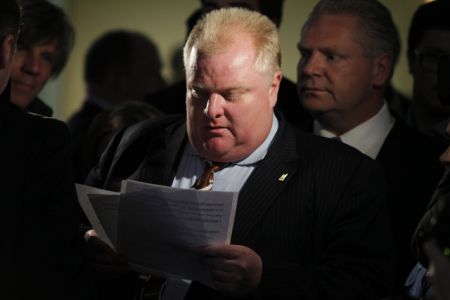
[{"x": 159, "y": 228}]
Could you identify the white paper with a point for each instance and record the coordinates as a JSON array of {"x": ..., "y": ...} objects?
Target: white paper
[
  {"x": 159, "y": 228},
  {"x": 101, "y": 208}
]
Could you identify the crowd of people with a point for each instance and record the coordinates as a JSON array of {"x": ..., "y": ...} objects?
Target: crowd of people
[{"x": 341, "y": 191}]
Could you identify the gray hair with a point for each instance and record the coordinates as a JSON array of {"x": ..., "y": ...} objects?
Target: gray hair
[
  {"x": 378, "y": 33},
  {"x": 214, "y": 31}
]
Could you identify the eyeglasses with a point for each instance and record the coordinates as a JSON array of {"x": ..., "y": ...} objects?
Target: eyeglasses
[{"x": 428, "y": 60}]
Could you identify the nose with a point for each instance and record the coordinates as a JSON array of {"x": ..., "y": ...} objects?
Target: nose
[
  {"x": 311, "y": 65},
  {"x": 214, "y": 107},
  {"x": 31, "y": 64}
]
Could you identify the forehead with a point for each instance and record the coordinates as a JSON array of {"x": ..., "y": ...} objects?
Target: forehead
[
  {"x": 330, "y": 29},
  {"x": 435, "y": 39},
  {"x": 231, "y": 64},
  {"x": 50, "y": 46}
]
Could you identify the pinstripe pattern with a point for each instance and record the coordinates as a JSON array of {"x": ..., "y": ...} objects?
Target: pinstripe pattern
[{"x": 322, "y": 232}]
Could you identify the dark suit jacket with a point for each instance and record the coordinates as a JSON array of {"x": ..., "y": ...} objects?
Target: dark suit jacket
[
  {"x": 78, "y": 125},
  {"x": 410, "y": 161},
  {"x": 39, "y": 243},
  {"x": 39, "y": 107},
  {"x": 322, "y": 233},
  {"x": 172, "y": 100}
]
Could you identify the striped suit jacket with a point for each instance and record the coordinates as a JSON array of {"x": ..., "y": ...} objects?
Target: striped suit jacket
[{"x": 322, "y": 233}]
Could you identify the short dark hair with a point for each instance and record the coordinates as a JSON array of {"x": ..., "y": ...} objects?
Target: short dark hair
[
  {"x": 429, "y": 16},
  {"x": 9, "y": 17},
  {"x": 273, "y": 9},
  {"x": 45, "y": 22},
  {"x": 115, "y": 51},
  {"x": 378, "y": 31}
]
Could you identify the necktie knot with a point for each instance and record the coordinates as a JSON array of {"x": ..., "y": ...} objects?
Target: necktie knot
[{"x": 206, "y": 180}]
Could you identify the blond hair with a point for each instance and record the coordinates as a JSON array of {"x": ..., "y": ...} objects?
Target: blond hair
[{"x": 219, "y": 27}]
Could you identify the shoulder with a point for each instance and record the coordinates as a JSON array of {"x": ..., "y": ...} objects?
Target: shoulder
[
  {"x": 31, "y": 124},
  {"x": 327, "y": 157},
  {"x": 129, "y": 147},
  {"x": 152, "y": 128},
  {"x": 40, "y": 107},
  {"x": 46, "y": 126},
  {"x": 408, "y": 143}
]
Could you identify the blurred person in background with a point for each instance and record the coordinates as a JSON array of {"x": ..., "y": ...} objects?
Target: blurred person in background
[
  {"x": 120, "y": 66},
  {"x": 45, "y": 42}
]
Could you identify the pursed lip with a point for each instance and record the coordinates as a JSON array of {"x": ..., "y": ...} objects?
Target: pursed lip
[
  {"x": 22, "y": 84},
  {"x": 215, "y": 129},
  {"x": 311, "y": 89}
]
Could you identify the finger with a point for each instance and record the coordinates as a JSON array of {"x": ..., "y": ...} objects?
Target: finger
[
  {"x": 223, "y": 251},
  {"x": 227, "y": 265},
  {"x": 225, "y": 276},
  {"x": 433, "y": 251},
  {"x": 90, "y": 233}
]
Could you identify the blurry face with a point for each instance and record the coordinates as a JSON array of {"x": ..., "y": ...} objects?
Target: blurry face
[
  {"x": 209, "y": 5},
  {"x": 31, "y": 69},
  {"x": 335, "y": 77},
  {"x": 424, "y": 70},
  {"x": 229, "y": 104},
  {"x": 144, "y": 78}
]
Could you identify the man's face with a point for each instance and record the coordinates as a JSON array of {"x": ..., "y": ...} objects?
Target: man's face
[
  {"x": 423, "y": 68},
  {"x": 31, "y": 69},
  {"x": 209, "y": 5},
  {"x": 335, "y": 76},
  {"x": 229, "y": 104}
]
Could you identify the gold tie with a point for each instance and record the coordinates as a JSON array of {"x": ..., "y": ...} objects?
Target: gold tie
[{"x": 206, "y": 180}]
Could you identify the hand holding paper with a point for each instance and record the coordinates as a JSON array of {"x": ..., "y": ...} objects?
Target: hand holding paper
[
  {"x": 235, "y": 269},
  {"x": 158, "y": 228}
]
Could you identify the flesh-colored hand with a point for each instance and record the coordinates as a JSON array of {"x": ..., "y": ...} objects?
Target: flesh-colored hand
[{"x": 235, "y": 269}]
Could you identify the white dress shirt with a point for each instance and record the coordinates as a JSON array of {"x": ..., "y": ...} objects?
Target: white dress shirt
[
  {"x": 368, "y": 137},
  {"x": 231, "y": 179}
]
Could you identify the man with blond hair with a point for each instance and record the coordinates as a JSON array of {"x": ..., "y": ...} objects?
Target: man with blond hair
[{"x": 310, "y": 212}]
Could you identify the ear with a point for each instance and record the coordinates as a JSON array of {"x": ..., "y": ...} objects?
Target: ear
[
  {"x": 383, "y": 65},
  {"x": 274, "y": 87},
  {"x": 6, "y": 51}
]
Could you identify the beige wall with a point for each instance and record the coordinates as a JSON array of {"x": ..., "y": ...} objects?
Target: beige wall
[{"x": 164, "y": 22}]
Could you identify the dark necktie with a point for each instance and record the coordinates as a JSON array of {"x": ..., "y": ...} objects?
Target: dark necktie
[{"x": 206, "y": 180}]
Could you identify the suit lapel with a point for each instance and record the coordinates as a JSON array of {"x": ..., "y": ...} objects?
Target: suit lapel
[
  {"x": 160, "y": 166},
  {"x": 266, "y": 182}
]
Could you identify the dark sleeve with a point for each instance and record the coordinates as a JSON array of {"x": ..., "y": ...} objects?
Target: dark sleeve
[
  {"x": 358, "y": 254},
  {"x": 52, "y": 261},
  {"x": 98, "y": 176},
  {"x": 436, "y": 221}
]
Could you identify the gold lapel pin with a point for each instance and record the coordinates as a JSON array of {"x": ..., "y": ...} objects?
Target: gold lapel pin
[{"x": 283, "y": 177}]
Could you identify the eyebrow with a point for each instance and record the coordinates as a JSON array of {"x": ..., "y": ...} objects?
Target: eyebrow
[{"x": 220, "y": 91}]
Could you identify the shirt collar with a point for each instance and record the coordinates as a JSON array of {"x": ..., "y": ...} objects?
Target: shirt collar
[
  {"x": 256, "y": 155},
  {"x": 366, "y": 135}
]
